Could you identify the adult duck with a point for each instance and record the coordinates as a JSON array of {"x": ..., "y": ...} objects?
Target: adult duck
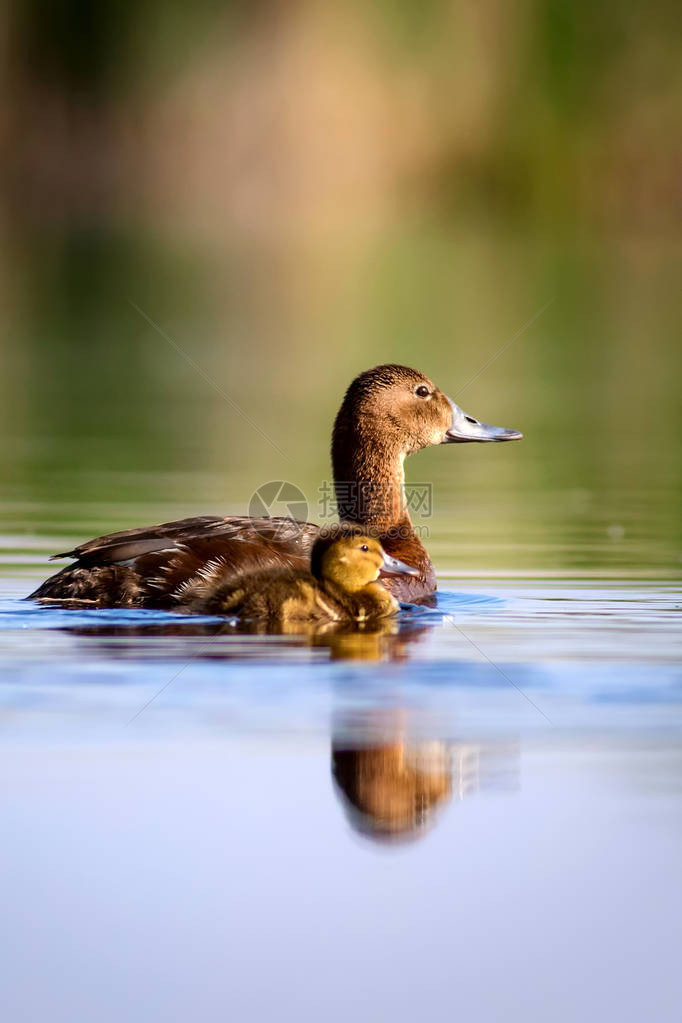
[
  {"x": 341, "y": 586},
  {"x": 388, "y": 412}
]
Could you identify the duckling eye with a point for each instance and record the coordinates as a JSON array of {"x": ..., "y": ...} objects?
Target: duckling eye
[
  {"x": 364, "y": 547},
  {"x": 422, "y": 391}
]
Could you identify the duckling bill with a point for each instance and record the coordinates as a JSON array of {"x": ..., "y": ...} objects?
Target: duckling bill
[{"x": 341, "y": 586}]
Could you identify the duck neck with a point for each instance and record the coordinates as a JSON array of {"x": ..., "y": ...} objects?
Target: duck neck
[{"x": 369, "y": 481}]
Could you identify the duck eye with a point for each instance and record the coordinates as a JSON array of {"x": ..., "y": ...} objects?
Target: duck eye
[
  {"x": 364, "y": 547},
  {"x": 422, "y": 391}
]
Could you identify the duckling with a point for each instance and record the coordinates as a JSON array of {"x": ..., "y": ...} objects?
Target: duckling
[
  {"x": 341, "y": 586},
  {"x": 388, "y": 412}
]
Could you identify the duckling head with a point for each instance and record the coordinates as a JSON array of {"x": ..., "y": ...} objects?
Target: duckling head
[
  {"x": 351, "y": 559},
  {"x": 405, "y": 411}
]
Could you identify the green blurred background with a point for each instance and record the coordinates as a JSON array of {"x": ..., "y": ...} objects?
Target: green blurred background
[{"x": 295, "y": 191}]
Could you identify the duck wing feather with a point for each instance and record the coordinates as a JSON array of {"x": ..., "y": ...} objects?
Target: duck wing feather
[
  {"x": 152, "y": 566},
  {"x": 129, "y": 544}
]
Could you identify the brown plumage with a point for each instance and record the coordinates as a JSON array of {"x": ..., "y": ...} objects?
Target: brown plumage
[
  {"x": 392, "y": 789},
  {"x": 341, "y": 586},
  {"x": 388, "y": 412}
]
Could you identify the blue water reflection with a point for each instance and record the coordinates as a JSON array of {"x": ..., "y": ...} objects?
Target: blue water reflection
[{"x": 369, "y": 825}]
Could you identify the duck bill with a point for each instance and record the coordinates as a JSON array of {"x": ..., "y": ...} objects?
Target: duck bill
[
  {"x": 392, "y": 566},
  {"x": 465, "y": 429}
]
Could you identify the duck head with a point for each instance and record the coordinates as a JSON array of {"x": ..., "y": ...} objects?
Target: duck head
[
  {"x": 404, "y": 410},
  {"x": 351, "y": 559}
]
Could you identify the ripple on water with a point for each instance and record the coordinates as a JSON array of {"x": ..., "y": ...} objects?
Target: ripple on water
[{"x": 497, "y": 655}]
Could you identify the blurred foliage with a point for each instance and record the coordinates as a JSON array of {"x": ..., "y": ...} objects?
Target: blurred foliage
[
  {"x": 550, "y": 110},
  {"x": 295, "y": 191}
]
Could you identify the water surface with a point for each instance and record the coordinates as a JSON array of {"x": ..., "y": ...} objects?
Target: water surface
[
  {"x": 475, "y": 812},
  {"x": 370, "y": 824}
]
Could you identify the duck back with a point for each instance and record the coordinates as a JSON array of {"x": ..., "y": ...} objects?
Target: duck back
[{"x": 152, "y": 566}]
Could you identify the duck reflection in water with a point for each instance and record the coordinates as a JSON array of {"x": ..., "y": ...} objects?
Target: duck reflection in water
[
  {"x": 377, "y": 639},
  {"x": 392, "y": 786}
]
